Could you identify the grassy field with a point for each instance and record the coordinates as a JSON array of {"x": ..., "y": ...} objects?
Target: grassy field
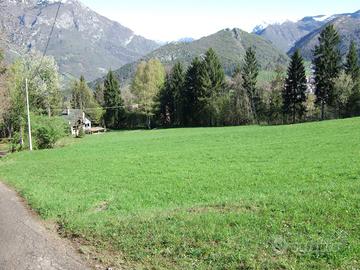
[{"x": 222, "y": 198}]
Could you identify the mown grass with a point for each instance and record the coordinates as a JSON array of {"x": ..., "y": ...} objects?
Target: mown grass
[{"x": 222, "y": 198}]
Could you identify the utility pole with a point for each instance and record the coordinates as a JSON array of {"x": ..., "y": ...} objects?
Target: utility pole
[{"x": 28, "y": 114}]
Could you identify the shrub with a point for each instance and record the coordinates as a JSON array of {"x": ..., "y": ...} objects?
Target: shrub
[
  {"x": 46, "y": 137},
  {"x": 15, "y": 144},
  {"x": 47, "y": 131}
]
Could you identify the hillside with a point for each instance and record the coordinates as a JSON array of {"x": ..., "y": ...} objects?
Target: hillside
[
  {"x": 253, "y": 197},
  {"x": 348, "y": 27},
  {"x": 230, "y": 45},
  {"x": 285, "y": 35},
  {"x": 83, "y": 42}
]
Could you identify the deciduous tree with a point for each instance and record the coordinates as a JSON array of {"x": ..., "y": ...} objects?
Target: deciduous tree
[{"x": 148, "y": 80}]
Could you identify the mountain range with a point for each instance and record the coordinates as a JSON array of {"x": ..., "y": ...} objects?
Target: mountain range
[
  {"x": 83, "y": 42},
  {"x": 303, "y": 34},
  {"x": 86, "y": 43},
  {"x": 229, "y": 44},
  {"x": 348, "y": 27}
]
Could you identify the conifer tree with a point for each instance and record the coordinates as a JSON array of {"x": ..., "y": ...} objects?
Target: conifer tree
[
  {"x": 177, "y": 85},
  {"x": 352, "y": 67},
  {"x": 239, "y": 100},
  {"x": 194, "y": 94},
  {"x": 294, "y": 94},
  {"x": 327, "y": 62},
  {"x": 166, "y": 103},
  {"x": 250, "y": 74},
  {"x": 213, "y": 81},
  {"x": 113, "y": 102},
  {"x": 214, "y": 72}
]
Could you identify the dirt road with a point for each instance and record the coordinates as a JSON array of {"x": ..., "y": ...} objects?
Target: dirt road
[{"x": 24, "y": 242}]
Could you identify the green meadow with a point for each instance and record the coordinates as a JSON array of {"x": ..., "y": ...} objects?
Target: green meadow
[{"x": 284, "y": 197}]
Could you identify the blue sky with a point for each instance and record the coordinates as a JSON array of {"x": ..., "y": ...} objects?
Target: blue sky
[{"x": 168, "y": 20}]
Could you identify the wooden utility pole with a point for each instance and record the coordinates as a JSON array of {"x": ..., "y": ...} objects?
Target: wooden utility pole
[{"x": 28, "y": 113}]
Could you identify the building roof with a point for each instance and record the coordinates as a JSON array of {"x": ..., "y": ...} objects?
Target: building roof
[{"x": 72, "y": 116}]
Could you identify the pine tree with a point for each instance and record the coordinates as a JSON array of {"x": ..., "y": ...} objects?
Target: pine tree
[
  {"x": 327, "y": 62},
  {"x": 213, "y": 81},
  {"x": 214, "y": 72},
  {"x": 113, "y": 102},
  {"x": 352, "y": 67},
  {"x": 250, "y": 74},
  {"x": 294, "y": 94},
  {"x": 239, "y": 100},
  {"x": 166, "y": 103},
  {"x": 194, "y": 93},
  {"x": 177, "y": 85}
]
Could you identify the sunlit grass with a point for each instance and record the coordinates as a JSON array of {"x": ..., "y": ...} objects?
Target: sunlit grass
[{"x": 209, "y": 198}]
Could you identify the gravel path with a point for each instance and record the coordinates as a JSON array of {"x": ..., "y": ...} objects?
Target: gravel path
[{"x": 24, "y": 242}]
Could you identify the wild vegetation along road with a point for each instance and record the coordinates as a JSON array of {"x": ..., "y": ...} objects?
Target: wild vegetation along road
[{"x": 25, "y": 244}]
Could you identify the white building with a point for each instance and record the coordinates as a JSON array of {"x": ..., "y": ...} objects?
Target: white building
[{"x": 77, "y": 119}]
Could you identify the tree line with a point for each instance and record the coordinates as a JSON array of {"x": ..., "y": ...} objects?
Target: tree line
[
  {"x": 198, "y": 95},
  {"x": 201, "y": 96}
]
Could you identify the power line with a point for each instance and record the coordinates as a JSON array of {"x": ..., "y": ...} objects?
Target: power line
[
  {"x": 37, "y": 71},
  {"x": 48, "y": 42}
]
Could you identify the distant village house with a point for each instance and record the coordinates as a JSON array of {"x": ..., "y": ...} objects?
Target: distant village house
[{"x": 77, "y": 120}]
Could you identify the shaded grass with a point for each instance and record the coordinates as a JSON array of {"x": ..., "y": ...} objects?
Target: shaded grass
[
  {"x": 4, "y": 145},
  {"x": 223, "y": 198}
]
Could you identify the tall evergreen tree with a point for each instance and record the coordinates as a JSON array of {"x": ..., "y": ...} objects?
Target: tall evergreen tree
[
  {"x": 294, "y": 94},
  {"x": 214, "y": 72},
  {"x": 177, "y": 85},
  {"x": 327, "y": 62},
  {"x": 250, "y": 74},
  {"x": 194, "y": 93},
  {"x": 166, "y": 103},
  {"x": 171, "y": 97},
  {"x": 213, "y": 80},
  {"x": 352, "y": 67},
  {"x": 239, "y": 100},
  {"x": 113, "y": 102}
]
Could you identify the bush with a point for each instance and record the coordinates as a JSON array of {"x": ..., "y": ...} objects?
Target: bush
[
  {"x": 15, "y": 145},
  {"x": 47, "y": 131},
  {"x": 45, "y": 137}
]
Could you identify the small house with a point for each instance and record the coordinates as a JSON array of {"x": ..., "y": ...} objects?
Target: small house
[{"x": 77, "y": 120}]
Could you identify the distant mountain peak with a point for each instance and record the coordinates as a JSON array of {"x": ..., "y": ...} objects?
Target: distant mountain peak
[
  {"x": 186, "y": 40},
  {"x": 285, "y": 35},
  {"x": 83, "y": 43}
]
